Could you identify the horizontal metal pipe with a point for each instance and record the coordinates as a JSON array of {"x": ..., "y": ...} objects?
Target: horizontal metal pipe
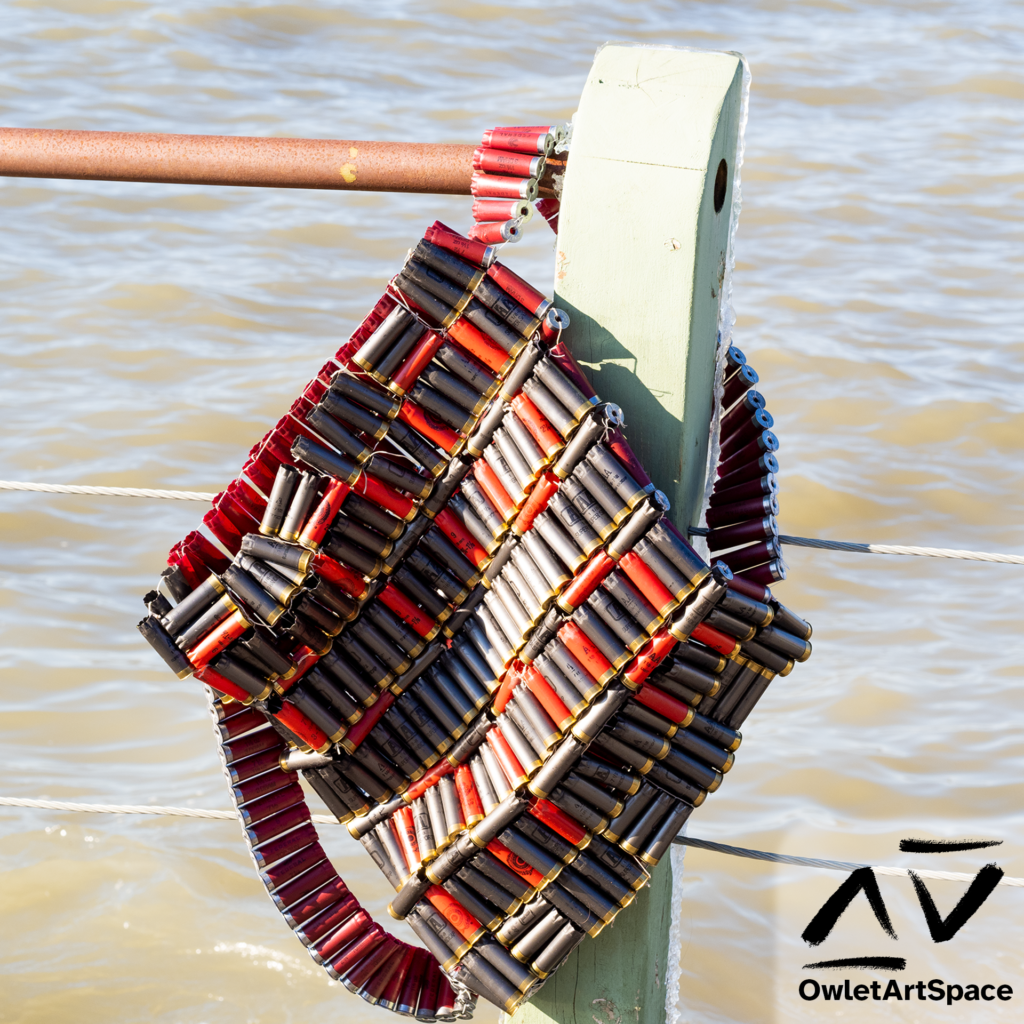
[{"x": 340, "y": 164}]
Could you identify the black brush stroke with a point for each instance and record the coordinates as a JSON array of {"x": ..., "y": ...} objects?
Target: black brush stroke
[
  {"x": 942, "y": 930},
  {"x": 946, "y": 845},
  {"x": 867, "y": 963},
  {"x": 863, "y": 879}
]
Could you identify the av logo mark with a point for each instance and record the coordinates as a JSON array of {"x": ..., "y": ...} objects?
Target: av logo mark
[{"x": 941, "y": 929}]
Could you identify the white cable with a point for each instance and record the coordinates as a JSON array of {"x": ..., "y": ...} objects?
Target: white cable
[
  {"x": 116, "y": 492},
  {"x": 829, "y": 865},
  {"x": 682, "y": 840},
  {"x": 900, "y": 549},
  {"x": 802, "y": 542},
  {"x": 181, "y": 812}
]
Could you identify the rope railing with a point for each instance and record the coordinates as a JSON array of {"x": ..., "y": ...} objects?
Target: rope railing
[
  {"x": 179, "y": 812},
  {"x": 899, "y": 549},
  {"x": 682, "y": 840},
  {"x": 113, "y": 492},
  {"x": 830, "y": 865},
  {"x": 800, "y": 542}
]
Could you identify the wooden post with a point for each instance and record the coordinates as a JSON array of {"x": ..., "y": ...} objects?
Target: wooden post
[{"x": 642, "y": 240}]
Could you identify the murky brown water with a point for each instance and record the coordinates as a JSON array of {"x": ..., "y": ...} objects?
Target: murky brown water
[{"x": 150, "y": 333}]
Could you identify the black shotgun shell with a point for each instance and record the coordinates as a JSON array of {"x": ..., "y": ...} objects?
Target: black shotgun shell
[
  {"x": 635, "y": 806},
  {"x": 285, "y": 482},
  {"x": 193, "y": 605},
  {"x": 380, "y": 341},
  {"x": 161, "y": 641},
  {"x": 347, "y": 386},
  {"x": 658, "y": 843},
  {"x": 298, "y": 508}
]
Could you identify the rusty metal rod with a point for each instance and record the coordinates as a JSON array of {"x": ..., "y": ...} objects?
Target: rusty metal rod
[{"x": 346, "y": 165}]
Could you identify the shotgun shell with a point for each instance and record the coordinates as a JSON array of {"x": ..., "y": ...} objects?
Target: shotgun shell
[
  {"x": 741, "y": 511},
  {"x": 273, "y": 583},
  {"x": 193, "y": 605},
  {"x": 381, "y": 340},
  {"x": 505, "y": 308},
  {"x": 557, "y": 537},
  {"x": 550, "y": 408},
  {"x": 593, "y": 644},
  {"x": 523, "y": 475},
  {"x": 324, "y": 460},
  {"x": 415, "y": 362},
  {"x": 479, "y": 345},
  {"x": 298, "y": 509},
  {"x": 438, "y": 285},
  {"x": 756, "y": 488},
  {"x": 498, "y": 161},
  {"x": 617, "y": 620},
  {"x": 213, "y": 616},
  {"x": 766, "y": 464},
  {"x": 485, "y": 428},
  {"x": 478, "y": 378},
  {"x": 543, "y": 433},
  {"x": 499, "y": 186},
  {"x": 234, "y": 626},
  {"x": 659, "y": 843},
  {"x": 739, "y": 383},
  {"x": 277, "y": 506},
  {"x": 495, "y": 233},
  {"x": 730, "y": 625},
  {"x": 223, "y": 666},
  {"x": 522, "y": 292},
  {"x": 636, "y": 836},
  {"x": 750, "y": 427},
  {"x": 754, "y": 554},
  {"x": 591, "y": 429},
  {"x": 558, "y": 654},
  {"x": 469, "y": 797},
  {"x": 444, "y": 237},
  {"x": 634, "y": 807},
  {"x": 339, "y": 406},
  {"x": 791, "y": 623},
  {"x": 495, "y": 328},
  {"x": 520, "y": 140},
  {"x": 574, "y": 523},
  {"x": 347, "y": 386},
  {"x": 769, "y": 572},
  {"x": 494, "y": 458},
  {"x": 448, "y": 264},
  {"x": 539, "y": 936},
  {"x": 502, "y": 209},
  {"x": 324, "y": 514},
  {"x": 615, "y": 475},
  {"x": 742, "y": 533}
]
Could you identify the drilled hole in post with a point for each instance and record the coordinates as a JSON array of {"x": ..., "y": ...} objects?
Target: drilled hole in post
[{"x": 721, "y": 183}]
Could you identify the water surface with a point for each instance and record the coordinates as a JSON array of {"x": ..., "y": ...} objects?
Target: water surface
[{"x": 151, "y": 333}]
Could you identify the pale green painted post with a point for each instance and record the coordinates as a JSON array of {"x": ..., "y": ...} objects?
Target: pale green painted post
[
  {"x": 640, "y": 262},
  {"x": 641, "y": 248}
]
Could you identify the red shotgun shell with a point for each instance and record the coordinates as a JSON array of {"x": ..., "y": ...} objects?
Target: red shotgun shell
[
  {"x": 315, "y": 530},
  {"x": 442, "y": 235},
  {"x": 496, "y": 232},
  {"x": 520, "y": 140},
  {"x": 477, "y": 344},
  {"x": 415, "y": 363},
  {"x": 547, "y": 438},
  {"x": 497, "y": 186},
  {"x": 499, "y": 161},
  {"x": 523, "y": 293},
  {"x": 501, "y": 209}
]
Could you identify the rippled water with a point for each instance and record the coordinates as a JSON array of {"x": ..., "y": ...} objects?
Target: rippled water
[{"x": 150, "y": 334}]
